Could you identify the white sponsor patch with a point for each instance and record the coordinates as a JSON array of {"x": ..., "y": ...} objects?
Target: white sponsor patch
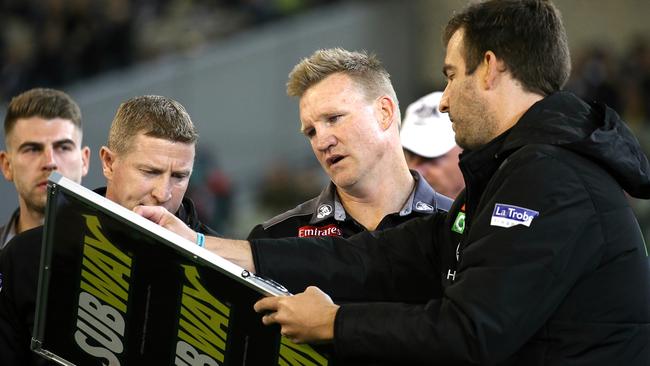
[{"x": 509, "y": 215}]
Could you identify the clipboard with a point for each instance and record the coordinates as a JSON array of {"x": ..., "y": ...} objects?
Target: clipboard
[{"x": 117, "y": 289}]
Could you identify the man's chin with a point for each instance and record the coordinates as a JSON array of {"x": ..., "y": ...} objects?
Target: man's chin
[
  {"x": 36, "y": 206},
  {"x": 343, "y": 181}
]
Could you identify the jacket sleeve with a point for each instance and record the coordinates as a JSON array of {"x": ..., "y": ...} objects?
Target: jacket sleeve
[
  {"x": 9, "y": 334},
  {"x": 14, "y": 337},
  {"x": 509, "y": 280},
  {"x": 397, "y": 263},
  {"x": 19, "y": 268}
]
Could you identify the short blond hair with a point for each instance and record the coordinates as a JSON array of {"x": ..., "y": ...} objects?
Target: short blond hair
[
  {"x": 154, "y": 116},
  {"x": 365, "y": 69}
]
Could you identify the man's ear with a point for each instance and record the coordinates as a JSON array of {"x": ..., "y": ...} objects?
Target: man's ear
[
  {"x": 385, "y": 108},
  {"x": 493, "y": 70},
  {"x": 85, "y": 159},
  {"x": 5, "y": 165},
  {"x": 108, "y": 160}
]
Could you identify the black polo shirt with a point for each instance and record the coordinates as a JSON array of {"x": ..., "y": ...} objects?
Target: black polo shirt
[{"x": 325, "y": 216}]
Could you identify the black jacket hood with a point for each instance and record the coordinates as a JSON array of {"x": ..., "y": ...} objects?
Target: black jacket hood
[{"x": 592, "y": 130}]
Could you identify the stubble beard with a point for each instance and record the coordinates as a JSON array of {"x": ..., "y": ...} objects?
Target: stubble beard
[
  {"x": 36, "y": 204},
  {"x": 478, "y": 125}
]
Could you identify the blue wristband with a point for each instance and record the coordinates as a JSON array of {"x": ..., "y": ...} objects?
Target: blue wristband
[{"x": 200, "y": 240}]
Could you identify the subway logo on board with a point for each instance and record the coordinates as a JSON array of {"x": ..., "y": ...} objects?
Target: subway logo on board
[
  {"x": 103, "y": 297},
  {"x": 202, "y": 336},
  {"x": 292, "y": 354}
]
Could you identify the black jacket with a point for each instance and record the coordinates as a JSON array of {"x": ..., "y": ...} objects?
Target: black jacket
[
  {"x": 19, "y": 271},
  {"x": 569, "y": 284},
  {"x": 325, "y": 216}
]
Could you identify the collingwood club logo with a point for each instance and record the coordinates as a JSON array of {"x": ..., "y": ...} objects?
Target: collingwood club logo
[
  {"x": 423, "y": 206},
  {"x": 324, "y": 210}
]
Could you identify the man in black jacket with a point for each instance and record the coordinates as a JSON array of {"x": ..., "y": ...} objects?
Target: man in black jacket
[
  {"x": 550, "y": 264},
  {"x": 148, "y": 161}
]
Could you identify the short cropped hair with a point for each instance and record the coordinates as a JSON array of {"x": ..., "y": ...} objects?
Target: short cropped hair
[
  {"x": 365, "y": 69},
  {"x": 154, "y": 116},
  {"x": 528, "y": 35},
  {"x": 43, "y": 103}
]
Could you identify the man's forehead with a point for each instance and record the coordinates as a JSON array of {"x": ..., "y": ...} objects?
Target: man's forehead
[
  {"x": 29, "y": 122},
  {"x": 454, "y": 60},
  {"x": 40, "y": 130},
  {"x": 455, "y": 45},
  {"x": 143, "y": 142},
  {"x": 153, "y": 151}
]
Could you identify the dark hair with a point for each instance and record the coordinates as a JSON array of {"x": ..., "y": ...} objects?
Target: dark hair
[
  {"x": 43, "y": 103},
  {"x": 528, "y": 35},
  {"x": 155, "y": 116}
]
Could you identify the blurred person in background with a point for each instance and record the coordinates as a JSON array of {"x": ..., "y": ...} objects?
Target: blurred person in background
[
  {"x": 349, "y": 113},
  {"x": 430, "y": 146},
  {"x": 211, "y": 191},
  {"x": 594, "y": 78},
  {"x": 42, "y": 134}
]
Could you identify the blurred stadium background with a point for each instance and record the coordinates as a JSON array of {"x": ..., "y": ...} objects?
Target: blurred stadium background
[{"x": 227, "y": 61}]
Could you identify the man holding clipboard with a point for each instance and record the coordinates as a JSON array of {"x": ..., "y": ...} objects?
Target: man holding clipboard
[{"x": 148, "y": 160}]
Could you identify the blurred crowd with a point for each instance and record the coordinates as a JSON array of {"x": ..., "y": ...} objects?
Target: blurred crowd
[
  {"x": 622, "y": 81},
  {"x": 55, "y": 42}
]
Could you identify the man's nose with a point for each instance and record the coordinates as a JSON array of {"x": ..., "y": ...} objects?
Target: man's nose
[
  {"x": 324, "y": 139},
  {"x": 162, "y": 191},
  {"x": 49, "y": 159},
  {"x": 444, "y": 102}
]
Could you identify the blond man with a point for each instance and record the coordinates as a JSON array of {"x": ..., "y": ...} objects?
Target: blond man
[{"x": 350, "y": 116}]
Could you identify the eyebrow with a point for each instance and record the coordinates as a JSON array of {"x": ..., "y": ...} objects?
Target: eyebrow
[
  {"x": 157, "y": 170},
  {"x": 185, "y": 172},
  {"x": 325, "y": 114},
  {"x": 40, "y": 145},
  {"x": 61, "y": 142},
  {"x": 149, "y": 167}
]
